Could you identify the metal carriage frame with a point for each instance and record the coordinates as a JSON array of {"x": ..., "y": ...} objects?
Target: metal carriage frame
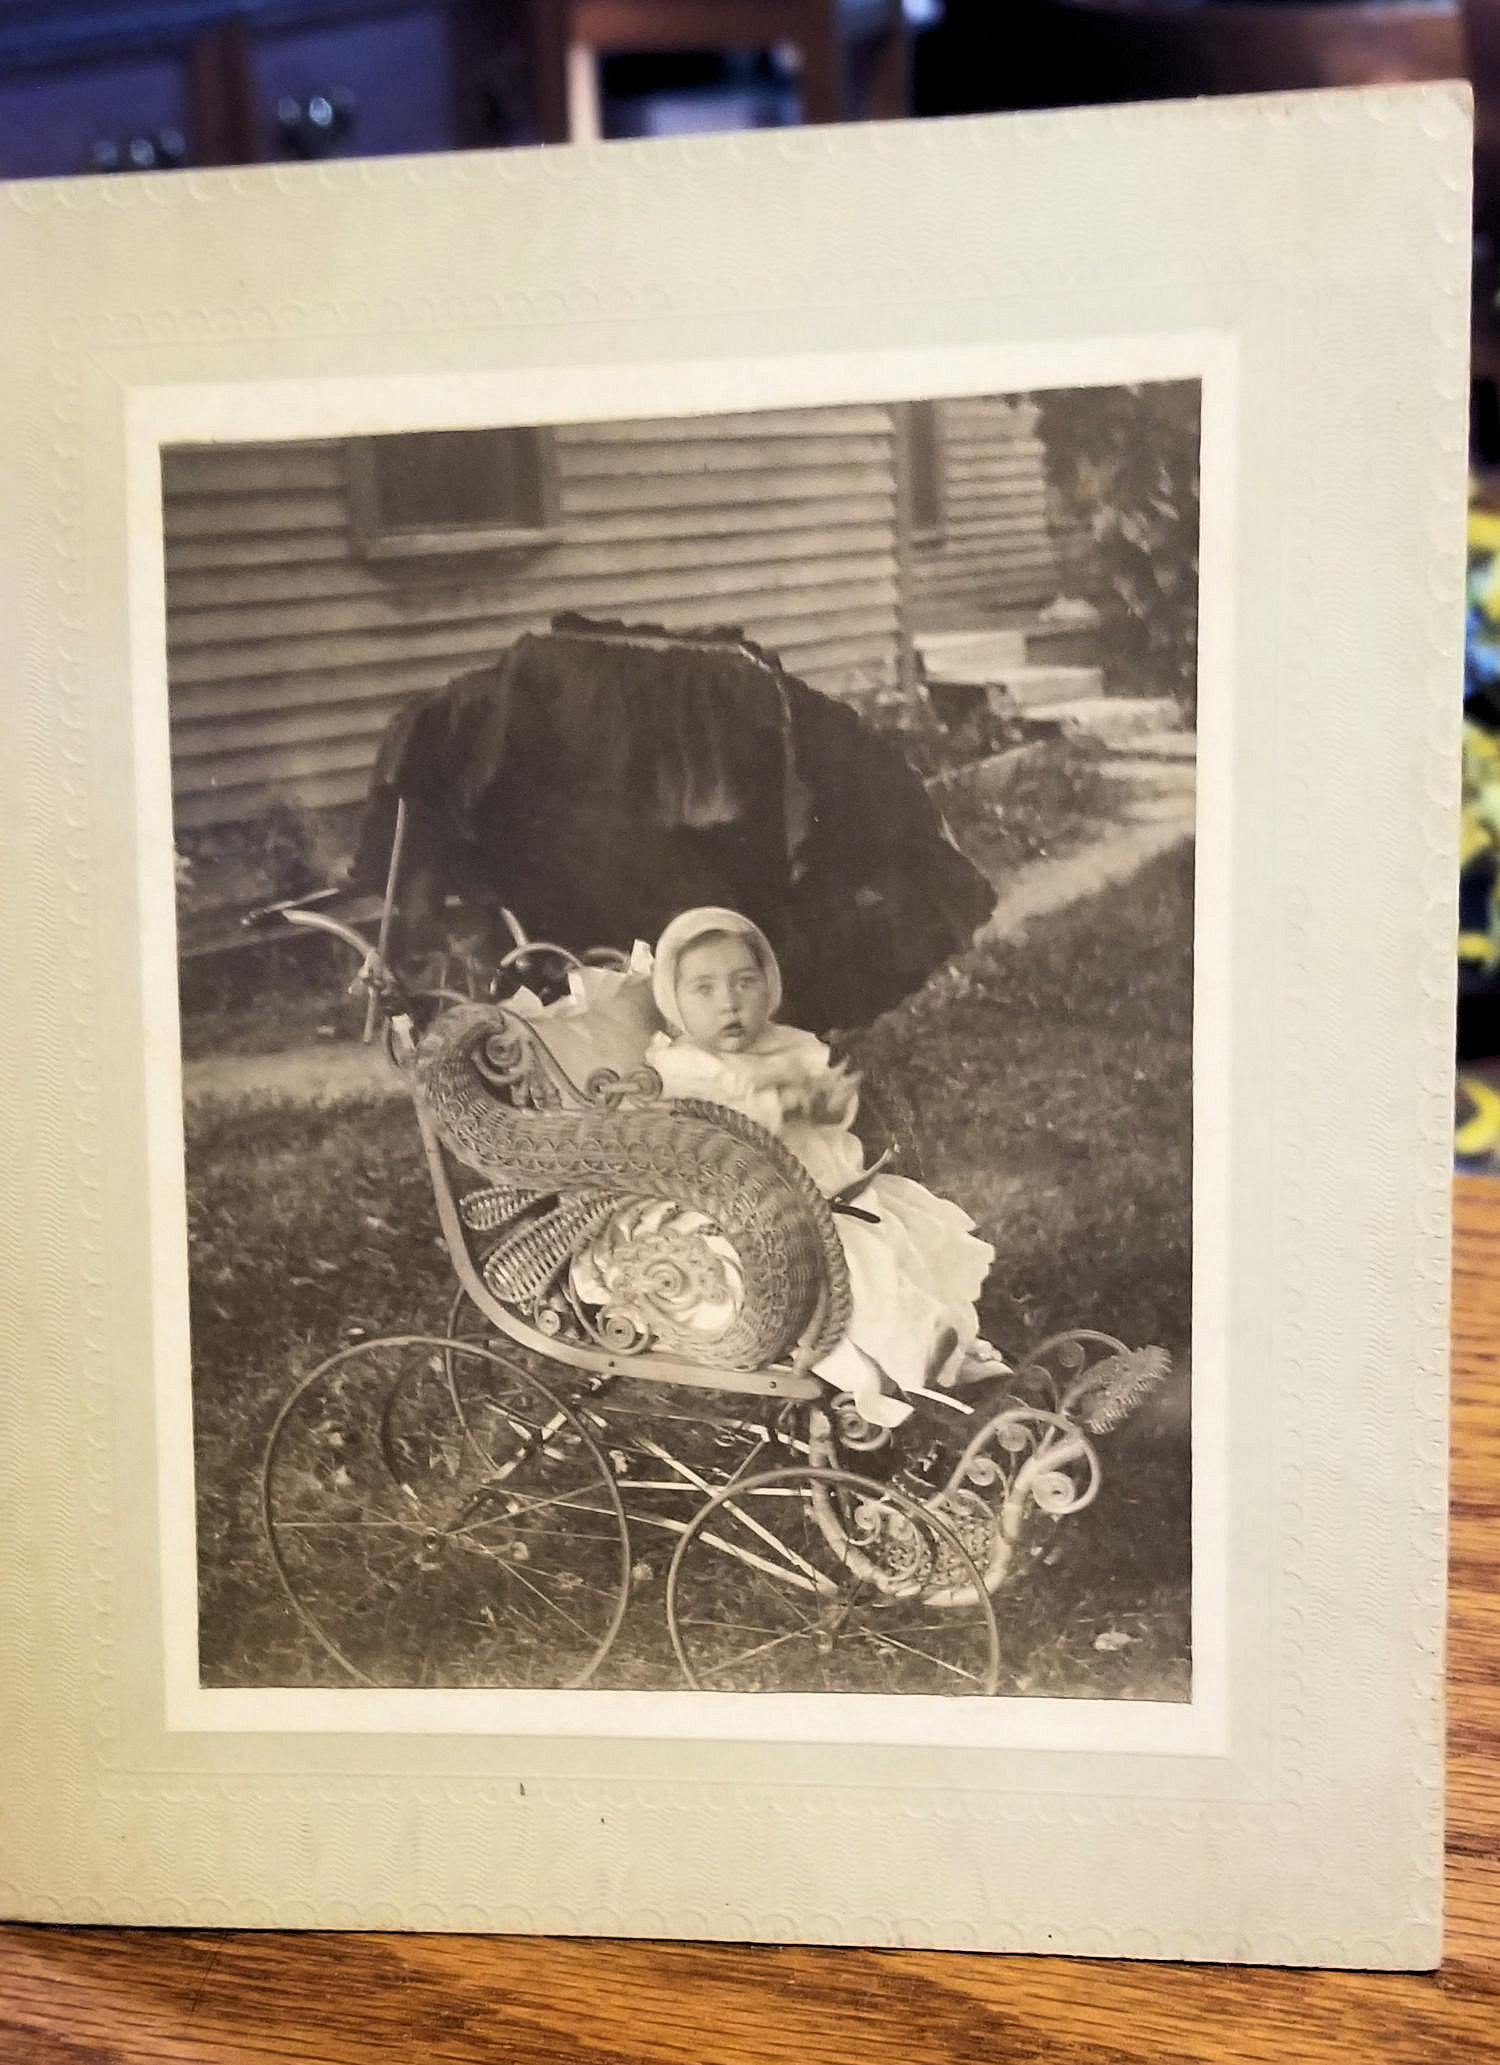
[{"x": 479, "y": 1507}]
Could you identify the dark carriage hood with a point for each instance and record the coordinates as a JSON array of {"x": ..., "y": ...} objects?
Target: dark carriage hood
[{"x": 600, "y": 778}]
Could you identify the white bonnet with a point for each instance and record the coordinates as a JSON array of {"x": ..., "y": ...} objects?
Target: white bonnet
[{"x": 685, "y": 930}]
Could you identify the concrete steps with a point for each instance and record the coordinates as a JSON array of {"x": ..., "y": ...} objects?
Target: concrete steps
[
  {"x": 1125, "y": 764},
  {"x": 986, "y": 778},
  {"x": 1165, "y": 745},
  {"x": 1034, "y": 671},
  {"x": 1030, "y": 668},
  {"x": 1113, "y": 720},
  {"x": 1164, "y": 809},
  {"x": 1036, "y": 688},
  {"x": 1001, "y": 664},
  {"x": 971, "y": 657},
  {"x": 1156, "y": 787}
]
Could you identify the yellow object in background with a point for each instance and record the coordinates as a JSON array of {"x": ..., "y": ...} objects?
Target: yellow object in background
[
  {"x": 1484, "y": 530},
  {"x": 1476, "y": 1129},
  {"x": 1480, "y": 835},
  {"x": 1484, "y": 560},
  {"x": 1477, "y": 1137}
]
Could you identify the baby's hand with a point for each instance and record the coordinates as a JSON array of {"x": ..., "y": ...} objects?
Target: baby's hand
[{"x": 831, "y": 1101}]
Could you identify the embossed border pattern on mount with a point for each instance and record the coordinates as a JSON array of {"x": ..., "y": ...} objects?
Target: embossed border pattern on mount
[{"x": 64, "y": 772}]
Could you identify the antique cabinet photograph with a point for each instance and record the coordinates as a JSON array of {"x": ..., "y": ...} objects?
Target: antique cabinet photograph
[
  {"x": 696, "y": 919},
  {"x": 685, "y": 953}
]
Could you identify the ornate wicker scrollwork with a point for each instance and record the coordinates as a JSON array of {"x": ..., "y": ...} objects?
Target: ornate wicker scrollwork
[
  {"x": 508, "y": 1062},
  {"x": 977, "y": 1528},
  {"x": 884, "y": 1544},
  {"x": 608, "y": 1087},
  {"x": 619, "y": 1330},
  {"x": 514, "y": 1060},
  {"x": 880, "y": 1546},
  {"x": 693, "y": 1157},
  {"x": 665, "y": 1272},
  {"x": 1026, "y": 1454},
  {"x": 1092, "y": 1378},
  {"x": 898, "y": 1556},
  {"x": 1112, "y": 1389}
]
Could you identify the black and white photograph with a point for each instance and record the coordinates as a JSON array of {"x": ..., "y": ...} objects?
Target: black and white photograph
[{"x": 685, "y": 953}]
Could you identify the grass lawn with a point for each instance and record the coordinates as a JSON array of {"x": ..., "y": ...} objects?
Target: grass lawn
[{"x": 1051, "y": 1079}]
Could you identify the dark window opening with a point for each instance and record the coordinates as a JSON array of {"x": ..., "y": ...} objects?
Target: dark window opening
[
  {"x": 924, "y": 469},
  {"x": 451, "y": 490}
]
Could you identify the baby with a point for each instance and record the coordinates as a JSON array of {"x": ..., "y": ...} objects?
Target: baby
[{"x": 915, "y": 1267}]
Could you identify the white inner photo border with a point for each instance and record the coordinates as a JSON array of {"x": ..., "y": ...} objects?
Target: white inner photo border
[{"x": 346, "y": 406}]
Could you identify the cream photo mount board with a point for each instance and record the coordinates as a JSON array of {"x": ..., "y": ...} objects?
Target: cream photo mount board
[{"x": 1305, "y": 261}]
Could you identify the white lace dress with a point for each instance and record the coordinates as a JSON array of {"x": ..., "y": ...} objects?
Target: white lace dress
[{"x": 914, "y": 1274}]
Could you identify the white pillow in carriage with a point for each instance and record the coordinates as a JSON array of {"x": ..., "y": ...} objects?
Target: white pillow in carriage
[{"x": 606, "y": 1021}]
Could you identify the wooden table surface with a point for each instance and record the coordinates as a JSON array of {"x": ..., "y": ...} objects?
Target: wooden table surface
[{"x": 114, "y": 1995}]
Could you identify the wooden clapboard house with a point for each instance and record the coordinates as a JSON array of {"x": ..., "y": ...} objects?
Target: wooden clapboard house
[
  {"x": 981, "y": 548},
  {"x": 312, "y": 587}
]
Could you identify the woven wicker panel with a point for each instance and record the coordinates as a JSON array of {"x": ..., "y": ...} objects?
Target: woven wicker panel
[
  {"x": 484, "y": 1211},
  {"x": 696, "y": 1155},
  {"x": 529, "y": 1261}
]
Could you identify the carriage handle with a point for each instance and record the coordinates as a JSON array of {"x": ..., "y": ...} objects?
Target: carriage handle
[
  {"x": 375, "y": 974},
  {"x": 375, "y": 977},
  {"x": 387, "y": 913}
]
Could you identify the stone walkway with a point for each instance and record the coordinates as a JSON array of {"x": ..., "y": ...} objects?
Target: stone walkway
[
  {"x": 329, "y": 1072},
  {"x": 1048, "y": 886}
]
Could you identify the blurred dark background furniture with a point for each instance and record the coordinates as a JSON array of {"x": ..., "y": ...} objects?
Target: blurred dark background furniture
[
  {"x": 1066, "y": 53},
  {"x": 137, "y": 85},
  {"x": 1063, "y": 53},
  {"x": 122, "y": 85},
  {"x": 1482, "y": 36},
  {"x": 833, "y": 59}
]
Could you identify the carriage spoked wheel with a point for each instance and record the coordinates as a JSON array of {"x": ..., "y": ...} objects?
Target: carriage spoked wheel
[
  {"x": 810, "y": 1579},
  {"x": 466, "y": 1326},
  {"x": 466, "y": 1323},
  {"x": 422, "y": 1548}
]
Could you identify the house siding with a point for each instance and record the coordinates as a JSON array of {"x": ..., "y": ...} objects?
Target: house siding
[
  {"x": 994, "y": 555},
  {"x": 288, "y": 651}
]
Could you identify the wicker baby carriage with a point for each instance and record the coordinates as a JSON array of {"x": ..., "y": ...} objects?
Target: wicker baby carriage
[{"x": 622, "y": 1403}]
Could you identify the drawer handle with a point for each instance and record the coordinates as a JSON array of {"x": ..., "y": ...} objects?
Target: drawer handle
[
  {"x": 316, "y": 126},
  {"x": 157, "y": 150}
]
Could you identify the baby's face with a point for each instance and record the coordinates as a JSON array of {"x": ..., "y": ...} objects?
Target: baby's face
[{"x": 723, "y": 997}]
